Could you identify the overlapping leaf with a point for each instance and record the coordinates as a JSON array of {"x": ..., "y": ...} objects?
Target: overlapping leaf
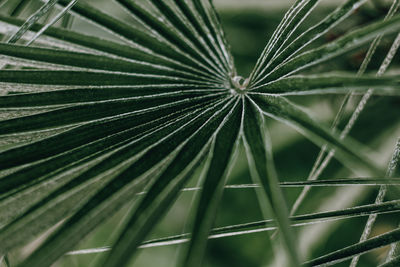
[{"x": 145, "y": 110}]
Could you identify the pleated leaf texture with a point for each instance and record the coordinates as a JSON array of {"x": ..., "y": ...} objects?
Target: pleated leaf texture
[{"x": 90, "y": 125}]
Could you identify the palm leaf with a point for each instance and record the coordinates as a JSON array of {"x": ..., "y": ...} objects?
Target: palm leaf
[
  {"x": 329, "y": 83},
  {"x": 218, "y": 169},
  {"x": 293, "y": 115},
  {"x": 336, "y": 48},
  {"x": 266, "y": 225},
  {"x": 155, "y": 202},
  {"x": 260, "y": 157},
  {"x": 362, "y": 247},
  {"x": 312, "y": 34},
  {"x": 35, "y": 17},
  {"x": 132, "y": 118}
]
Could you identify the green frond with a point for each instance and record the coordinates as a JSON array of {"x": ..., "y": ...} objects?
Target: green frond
[{"x": 122, "y": 119}]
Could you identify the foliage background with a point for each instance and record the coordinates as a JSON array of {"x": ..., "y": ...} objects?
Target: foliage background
[{"x": 247, "y": 26}]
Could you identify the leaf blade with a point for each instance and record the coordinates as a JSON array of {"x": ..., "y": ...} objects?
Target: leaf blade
[
  {"x": 224, "y": 146},
  {"x": 356, "y": 249},
  {"x": 342, "y": 45},
  {"x": 287, "y": 112},
  {"x": 259, "y": 155},
  {"x": 163, "y": 192}
]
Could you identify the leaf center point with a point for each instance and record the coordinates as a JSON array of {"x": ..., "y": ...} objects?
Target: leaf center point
[{"x": 239, "y": 84}]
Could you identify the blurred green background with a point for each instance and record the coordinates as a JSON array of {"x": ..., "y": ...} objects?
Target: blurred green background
[{"x": 248, "y": 24}]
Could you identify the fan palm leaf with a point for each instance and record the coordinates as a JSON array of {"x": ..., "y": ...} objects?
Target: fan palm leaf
[{"x": 146, "y": 110}]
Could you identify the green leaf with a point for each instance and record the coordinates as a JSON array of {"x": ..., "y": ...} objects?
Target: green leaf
[
  {"x": 330, "y": 83},
  {"x": 213, "y": 29},
  {"x": 171, "y": 34},
  {"x": 198, "y": 19},
  {"x": 266, "y": 225},
  {"x": 132, "y": 118},
  {"x": 92, "y": 145},
  {"x": 344, "y": 182},
  {"x": 97, "y": 174},
  {"x": 379, "y": 199},
  {"x": 112, "y": 167},
  {"x": 316, "y": 183},
  {"x": 310, "y": 35},
  {"x": 108, "y": 46},
  {"x": 333, "y": 49},
  {"x": 92, "y": 78},
  {"x": 222, "y": 157},
  {"x": 127, "y": 148},
  {"x": 298, "y": 220},
  {"x": 356, "y": 249},
  {"x": 29, "y": 22},
  {"x": 138, "y": 36},
  {"x": 291, "y": 21},
  {"x": 189, "y": 30},
  {"x": 87, "y": 61},
  {"x": 137, "y": 170},
  {"x": 164, "y": 190},
  {"x": 90, "y": 112},
  {"x": 290, "y": 14},
  {"x": 91, "y": 95},
  {"x": 262, "y": 170},
  {"x": 348, "y": 152},
  {"x": 62, "y": 13},
  {"x": 88, "y": 133}
]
